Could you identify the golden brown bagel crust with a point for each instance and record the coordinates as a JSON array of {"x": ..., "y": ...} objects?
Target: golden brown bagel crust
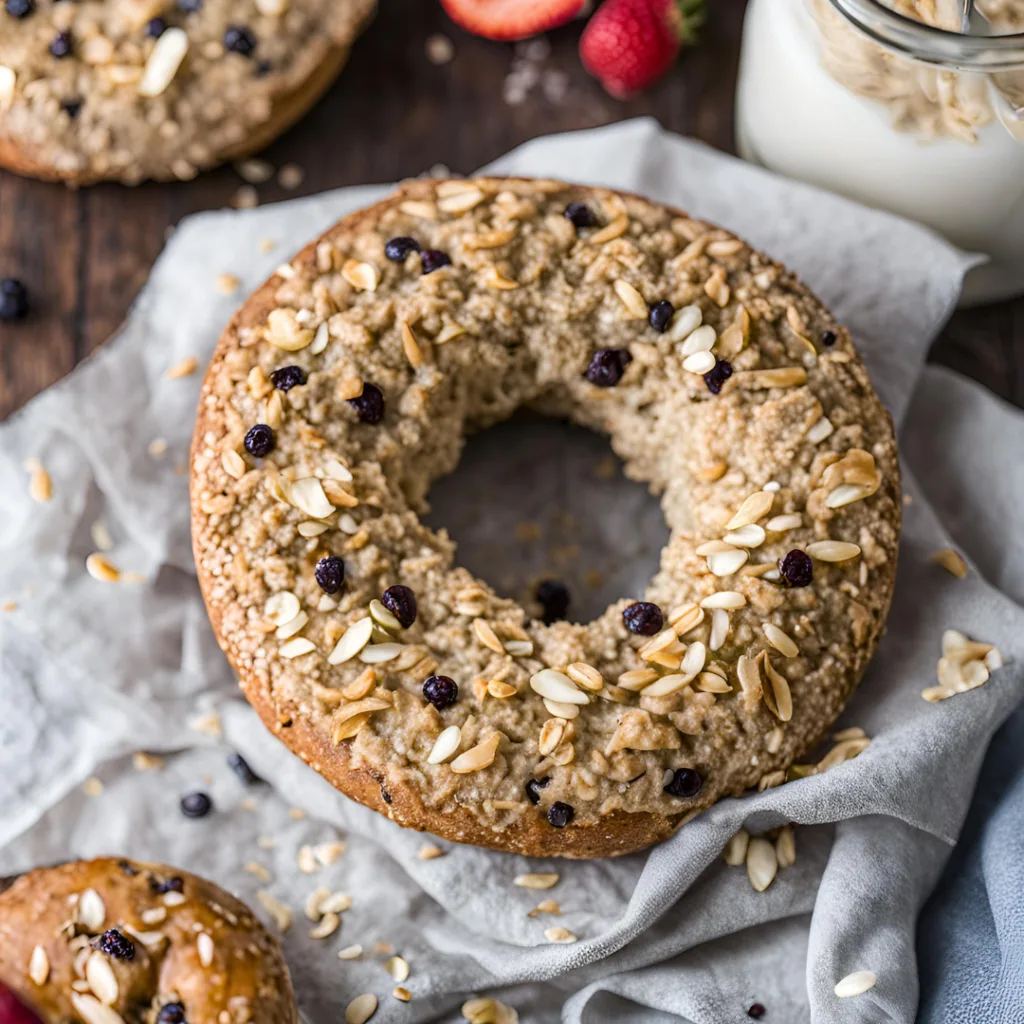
[
  {"x": 116, "y": 134},
  {"x": 49, "y": 928},
  {"x": 534, "y": 303}
]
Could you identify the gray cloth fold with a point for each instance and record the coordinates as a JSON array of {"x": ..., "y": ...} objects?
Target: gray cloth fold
[{"x": 91, "y": 672}]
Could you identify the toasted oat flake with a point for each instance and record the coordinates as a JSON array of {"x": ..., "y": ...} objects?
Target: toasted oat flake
[
  {"x": 701, "y": 340},
  {"x": 612, "y": 230},
  {"x": 855, "y": 984},
  {"x": 559, "y": 935},
  {"x": 832, "y": 550},
  {"x": 558, "y": 687},
  {"x": 784, "y": 523},
  {"x": 100, "y": 568},
  {"x": 280, "y": 912},
  {"x": 204, "y": 947},
  {"x": 488, "y": 1011},
  {"x": 735, "y": 852},
  {"x": 361, "y": 1009},
  {"x": 951, "y": 561},
  {"x": 445, "y": 745},
  {"x": 699, "y": 363},
  {"x": 545, "y": 907},
  {"x": 461, "y": 201},
  {"x": 335, "y": 903},
  {"x": 631, "y": 299},
  {"x": 780, "y": 640},
  {"x": 91, "y": 911},
  {"x": 785, "y": 847},
  {"x": 40, "y": 486},
  {"x": 753, "y": 507},
  {"x": 479, "y": 757},
  {"x": 536, "y": 881},
  {"x": 326, "y": 926},
  {"x": 164, "y": 62},
  {"x": 353, "y": 640},
  {"x": 762, "y": 863},
  {"x": 184, "y": 367},
  {"x": 233, "y": 463},
  {"x": 39, "y": 966},
  {"x": 362, "y": 276},
  {"x": 398, "y": 968},
  {"x": 92, "y": 1011}
]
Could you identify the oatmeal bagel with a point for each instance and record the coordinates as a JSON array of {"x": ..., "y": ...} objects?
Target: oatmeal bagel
[
  {"x": 107, "y": 941},
  {"x": 134, "y": 89},
  {"x": 346, "y": 385}
]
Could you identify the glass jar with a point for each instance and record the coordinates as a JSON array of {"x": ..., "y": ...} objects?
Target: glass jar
[{"x": 894, "y": 106}]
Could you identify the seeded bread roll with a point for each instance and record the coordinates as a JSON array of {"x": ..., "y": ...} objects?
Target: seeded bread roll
[
  {"x": 346, "y": 385},
  {"x": 134, "y": 89},
  {"x": 109, "y": 941}
]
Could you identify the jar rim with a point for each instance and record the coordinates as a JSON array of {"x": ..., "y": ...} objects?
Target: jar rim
[{"x": 930, "y": 44}]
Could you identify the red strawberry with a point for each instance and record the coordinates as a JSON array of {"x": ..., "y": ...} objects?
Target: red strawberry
[
  {"x": 511, "y": 19},
  {"x": 629, "y": 44}
]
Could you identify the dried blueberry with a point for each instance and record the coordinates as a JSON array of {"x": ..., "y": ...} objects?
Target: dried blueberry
[
  {"x": 718, "y": 375},
  {"x": 560, "y": 814},
  {"x": 434, "y": 259},
  {"x": 174, "y": 884},
  {"x": 156, "y": 27},
  {"x": 401, "y": 602},
  {"x": 370, "y": 404},
  {"x": 796, "y": 568},
  {"x": 643, "y": 618},
  {"x": 330, "y": 574},
  {"x": 607, "y": 366},
  {"x": 13, "y": 299},
  {"x": 581, "y": 215},
  {"x": 757, "y": 1011},
  {"x": 533, "y": 788},
  {"x": 685, "y": 783},
  {"x": 114, "y": 944},
  {"x": 20, "y": 8},
  {"x": 128, "y": 868},
  {"x": 72, "y": 108},
  {"x": 396, "y": 249},
  {"x": 661, "y": 315},
  {"x": 287, "y": 377},
  {"x": 259, "y": 441},
  {"x": 196, "y": 805},
  {"x": 240, "y": 767},
  {"x": 190, "y": 6},
  {"x": 441, "y": 691},
  {"x": 171, "y": 1013},
  {"x": 554, "y": 598},
  {"x": 62, "y": 45},
  {"x": 239, "y": 39},
  {"x": 828, "y": 338}
]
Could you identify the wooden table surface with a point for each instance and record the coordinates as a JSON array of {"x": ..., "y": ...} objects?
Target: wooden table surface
[{"x": 393, "y": 113}]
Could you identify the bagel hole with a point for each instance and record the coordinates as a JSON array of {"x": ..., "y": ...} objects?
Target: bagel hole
[{"x": 537, "y": 498}]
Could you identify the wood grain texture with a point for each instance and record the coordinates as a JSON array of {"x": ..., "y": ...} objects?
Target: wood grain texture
[{"x": 85, "y": 255}]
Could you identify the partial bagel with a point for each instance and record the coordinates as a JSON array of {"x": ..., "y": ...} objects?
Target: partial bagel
[
  {"x": 152, "y": 90},
  {"x": 112, "y": 940},
  {"x": 721, "y": 382}
]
